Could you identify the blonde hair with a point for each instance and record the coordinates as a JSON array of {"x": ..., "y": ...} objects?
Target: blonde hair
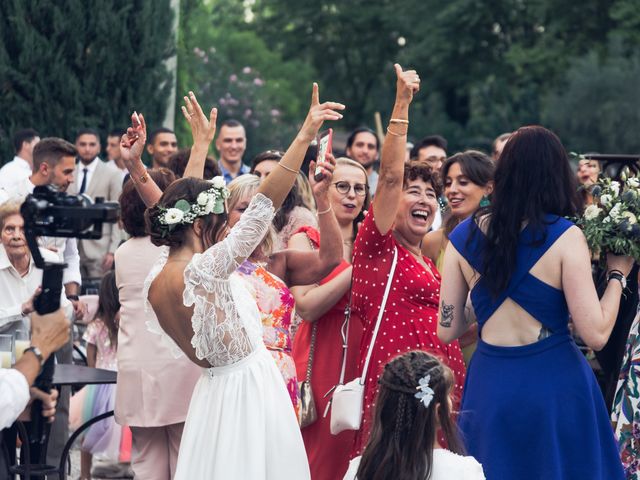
[
  {"x": 11, "y": 207},
  {"x": 348, "y": 162},
  {"x": 306, "y": 193},
  {"x": 246, "y": 186}
]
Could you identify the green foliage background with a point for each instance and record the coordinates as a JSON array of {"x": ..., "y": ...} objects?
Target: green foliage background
[
  {"x": 71, "y": 64},
  {"x": 487, "y": 67}
]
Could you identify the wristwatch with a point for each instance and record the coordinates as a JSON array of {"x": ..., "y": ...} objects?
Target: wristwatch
[
  {"x": 618, "y": 276},
  {"x": 36, "y": 351}
]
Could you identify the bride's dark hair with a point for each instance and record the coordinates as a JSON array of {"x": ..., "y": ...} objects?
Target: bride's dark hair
[
  {"x": 188, "y": 189},
  {"x": 533, "y": 178}
]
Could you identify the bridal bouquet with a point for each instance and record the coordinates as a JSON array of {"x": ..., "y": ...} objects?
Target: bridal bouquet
[{"x": 611, "y": 223}]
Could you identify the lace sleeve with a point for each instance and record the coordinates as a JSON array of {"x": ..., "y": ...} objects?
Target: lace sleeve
[{"x": 225, "y": 325}]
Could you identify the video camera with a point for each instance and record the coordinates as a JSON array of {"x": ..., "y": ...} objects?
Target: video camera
[{"x": 49, "y": 212}]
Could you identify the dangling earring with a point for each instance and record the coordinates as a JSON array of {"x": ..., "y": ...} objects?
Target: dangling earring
[{"x": 485, "y": 202}]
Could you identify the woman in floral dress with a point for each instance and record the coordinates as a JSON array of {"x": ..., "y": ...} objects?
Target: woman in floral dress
[
  {"x": 269, "y": 275},
  {"x": 626, "y": 405}
]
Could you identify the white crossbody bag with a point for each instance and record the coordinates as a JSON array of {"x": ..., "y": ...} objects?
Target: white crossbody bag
[{"x": 346, "y": 404}]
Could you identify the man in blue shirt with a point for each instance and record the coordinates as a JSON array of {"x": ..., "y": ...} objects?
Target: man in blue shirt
[{"x": 231, "y": 145}]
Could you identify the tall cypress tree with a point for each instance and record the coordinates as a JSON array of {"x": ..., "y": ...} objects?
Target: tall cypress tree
[{"x": 71, "y": 64}]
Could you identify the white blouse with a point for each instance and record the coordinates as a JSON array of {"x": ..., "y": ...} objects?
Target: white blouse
[{"x": 446, "y": 466}]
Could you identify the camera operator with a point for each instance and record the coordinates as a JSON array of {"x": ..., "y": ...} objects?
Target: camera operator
[
  {"x": 54, "y": 164},
  {"x": 48, "y": 333},
  {"x": 20, "y": 280}
]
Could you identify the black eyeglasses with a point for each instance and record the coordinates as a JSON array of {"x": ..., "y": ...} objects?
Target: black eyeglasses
[{"x": 343, "y": 188}]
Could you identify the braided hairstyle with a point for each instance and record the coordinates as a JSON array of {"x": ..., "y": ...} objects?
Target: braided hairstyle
[{"x": 404, "y": 430}]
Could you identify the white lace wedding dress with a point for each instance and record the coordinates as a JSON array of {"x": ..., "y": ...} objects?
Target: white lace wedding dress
[{"x": 241, "y": 424}]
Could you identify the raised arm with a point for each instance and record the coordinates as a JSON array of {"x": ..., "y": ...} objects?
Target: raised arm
[
  {"x": 279, "y": 182},
  {"x": 304, "y": 268},
  {"x": 131, "y": 147},
  {"x": 386, "y": 199},
  {"x": 203, "y": 130}
]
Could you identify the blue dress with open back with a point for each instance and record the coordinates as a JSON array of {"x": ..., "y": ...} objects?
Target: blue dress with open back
[{"x": 532, "y": 411}]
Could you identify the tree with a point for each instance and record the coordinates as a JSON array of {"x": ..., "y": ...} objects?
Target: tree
[
  {"x": 351, "y": 45},
  {"x": 228, "y": 66},
  {"x": 597, "y": 107},
  {"x": 70, "y": 64}
]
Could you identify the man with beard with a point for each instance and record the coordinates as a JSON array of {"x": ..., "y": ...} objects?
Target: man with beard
[
  {"x": 95, "y": 178},
  {"x": 363, "y": 146}
]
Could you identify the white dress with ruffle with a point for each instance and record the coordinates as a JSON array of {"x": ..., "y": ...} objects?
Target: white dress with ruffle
[{"x": 241, "y": 423}]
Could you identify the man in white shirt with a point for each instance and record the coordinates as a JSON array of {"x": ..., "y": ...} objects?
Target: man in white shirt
[
  {"x": 95, "y": 178},
  {"x": 20, "y": 167},
  {"x": 54, "y": 164}
]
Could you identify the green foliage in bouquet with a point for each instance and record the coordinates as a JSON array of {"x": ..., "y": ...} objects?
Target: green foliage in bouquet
[{"x": 611, "y": 223}]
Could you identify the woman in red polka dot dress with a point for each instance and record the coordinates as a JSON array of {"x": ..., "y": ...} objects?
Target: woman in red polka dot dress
[{"x": 401, "y": 214}]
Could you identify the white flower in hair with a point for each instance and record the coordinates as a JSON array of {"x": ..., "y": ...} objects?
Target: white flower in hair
[
  {"x": 203, "y": 198},
  {"x": 218, "y": 182},
  {"x": 173, "y": 216},
  {"x": 425, "y": 392}
]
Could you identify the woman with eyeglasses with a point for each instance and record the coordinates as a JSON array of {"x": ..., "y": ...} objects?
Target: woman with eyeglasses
[
  {"x": 403, "y": 209},
  {"x": 295, "y": 212},
  {"x": 317, "y": 346}
]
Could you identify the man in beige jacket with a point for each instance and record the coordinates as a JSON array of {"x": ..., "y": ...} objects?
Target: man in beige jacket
[{"x": 95, "y": 178}]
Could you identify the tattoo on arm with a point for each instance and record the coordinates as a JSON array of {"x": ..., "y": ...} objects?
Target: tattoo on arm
[{"x": 446, "y": 312}]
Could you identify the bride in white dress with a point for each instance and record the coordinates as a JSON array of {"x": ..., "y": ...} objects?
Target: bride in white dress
[{"x": 241, "y": 424}]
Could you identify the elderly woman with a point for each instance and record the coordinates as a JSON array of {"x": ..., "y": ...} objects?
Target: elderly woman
[
  {"x": 148, "y": 373},
  {"x": 402, "y": 212}
]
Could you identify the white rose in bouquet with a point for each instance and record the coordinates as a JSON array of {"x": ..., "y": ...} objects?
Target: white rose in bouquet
[{"x": 592, "y": 212}]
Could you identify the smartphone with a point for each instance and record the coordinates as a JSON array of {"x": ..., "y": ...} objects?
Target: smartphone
[{"x": 324, "y": 147}]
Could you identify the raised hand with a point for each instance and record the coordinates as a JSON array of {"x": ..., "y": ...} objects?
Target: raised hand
[
  {"x": 407, "y": 84},
  {"x": 321, "y": 189},
  {"x": 132, "y": 143},
  {"x": 318, "y": 113},
  {"x": 203, "y": 129}
]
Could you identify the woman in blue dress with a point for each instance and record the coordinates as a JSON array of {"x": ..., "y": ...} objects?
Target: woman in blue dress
[{"x": 531, "y": 407}]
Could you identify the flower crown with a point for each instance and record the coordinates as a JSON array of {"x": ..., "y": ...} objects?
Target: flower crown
[{"x": 185, "y": 213}]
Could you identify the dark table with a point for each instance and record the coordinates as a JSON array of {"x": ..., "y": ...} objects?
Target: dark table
[{"x": 74, "y": 375}]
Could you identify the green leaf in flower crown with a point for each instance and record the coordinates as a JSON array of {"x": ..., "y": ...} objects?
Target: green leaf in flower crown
[
  {"x": 218, "y": 208},
  {"x": 183, "y": 205}
]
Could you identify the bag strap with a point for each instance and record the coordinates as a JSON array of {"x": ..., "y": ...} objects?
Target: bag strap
[
  {"x": 380, "y": 315},
  {"x": 314, "y": 329},
  {"x": 312, "y": 350}
]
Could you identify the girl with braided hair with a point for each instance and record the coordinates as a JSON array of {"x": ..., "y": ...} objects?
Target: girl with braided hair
[{"x": 413, "y": 406}]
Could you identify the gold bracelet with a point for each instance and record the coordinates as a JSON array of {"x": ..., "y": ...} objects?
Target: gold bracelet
[
  {"x": 399, "y": 120},
  {"x": 287, "y": 168},
  {"x": 144, "y": 177},
  {"x": 395, "y": 134},
  {"x": 325, "y": 211}
]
